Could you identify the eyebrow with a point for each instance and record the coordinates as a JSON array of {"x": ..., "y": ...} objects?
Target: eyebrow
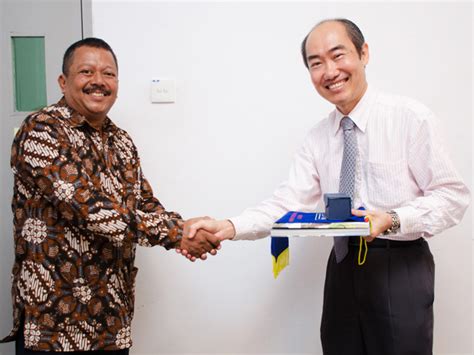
[
  {"x": 332, "y": 50},
  {"x": 89, "y": 64}
]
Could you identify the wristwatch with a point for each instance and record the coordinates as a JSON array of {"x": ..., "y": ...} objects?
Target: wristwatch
[{"x": 395, "y": 222}]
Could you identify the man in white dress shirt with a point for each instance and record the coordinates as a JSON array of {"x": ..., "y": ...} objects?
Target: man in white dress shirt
[{"x": 404, "y": 179}]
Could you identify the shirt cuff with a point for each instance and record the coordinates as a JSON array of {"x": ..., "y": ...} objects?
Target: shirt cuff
[
  {"x": 409, "y": 221},
  {"x": 243, "y": 228}
]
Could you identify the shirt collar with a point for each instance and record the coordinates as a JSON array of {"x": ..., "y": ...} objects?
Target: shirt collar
[
  {"x": 359, "y": 115},
  {"x": 75, "y": 119}
]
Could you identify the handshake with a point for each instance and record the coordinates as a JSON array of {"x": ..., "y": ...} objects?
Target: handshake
[{"x": 204, "y": 235}]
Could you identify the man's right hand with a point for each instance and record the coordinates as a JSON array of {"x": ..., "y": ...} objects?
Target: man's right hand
[
  {"x": 204, "y": 242},
  {"x": 223, "y": 229}
]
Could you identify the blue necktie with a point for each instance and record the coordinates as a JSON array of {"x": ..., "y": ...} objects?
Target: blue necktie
[{"x": 346, "y": 182}]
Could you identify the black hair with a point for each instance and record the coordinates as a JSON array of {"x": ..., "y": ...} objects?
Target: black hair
[
  {"x": 354, "y": 33},
  {"x": 86, "y": 42}
]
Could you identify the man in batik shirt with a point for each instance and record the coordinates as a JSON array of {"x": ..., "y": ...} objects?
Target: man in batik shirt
[{"x": 80, "y": 206}]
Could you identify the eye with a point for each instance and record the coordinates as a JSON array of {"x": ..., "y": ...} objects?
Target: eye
[
  {"x": 338, "y": 55},
  {"x": 86, "y": 72},
  {"x": 315, "y": 64},
  {"x": 110, "y": 74}
]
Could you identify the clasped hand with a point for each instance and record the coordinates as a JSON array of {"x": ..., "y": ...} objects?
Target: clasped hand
[
  {"x": 203, "y": 235},
  {"x": 203, "y": 242}
]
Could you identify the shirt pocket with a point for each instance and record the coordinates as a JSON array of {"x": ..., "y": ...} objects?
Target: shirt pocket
[{"x": 387, "y": 184}]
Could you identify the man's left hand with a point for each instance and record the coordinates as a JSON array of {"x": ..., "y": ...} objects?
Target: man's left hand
[{"x": 380, "y": 222}]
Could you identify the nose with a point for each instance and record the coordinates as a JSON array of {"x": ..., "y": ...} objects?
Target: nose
[
  {"x": 98, "y": 78},
  {"x": 331, "y": 71}
]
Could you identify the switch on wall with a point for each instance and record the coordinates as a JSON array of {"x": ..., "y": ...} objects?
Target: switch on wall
[{"x": 163, "y": 91}]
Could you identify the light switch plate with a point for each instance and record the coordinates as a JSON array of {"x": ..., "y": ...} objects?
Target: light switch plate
[{"x": 163, "y": 91}]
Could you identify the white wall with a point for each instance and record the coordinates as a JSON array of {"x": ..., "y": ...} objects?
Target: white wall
[{"x": 244, "y": 104}]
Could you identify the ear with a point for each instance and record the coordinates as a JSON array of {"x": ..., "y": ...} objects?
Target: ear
[
  {"x": 365, "y": 54},
  {"x": 62, "y": 82}
]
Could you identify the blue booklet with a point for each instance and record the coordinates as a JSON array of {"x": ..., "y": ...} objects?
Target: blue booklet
[
  {"x": 307, "y": 224},
  {"x": 313, "y": 217}
]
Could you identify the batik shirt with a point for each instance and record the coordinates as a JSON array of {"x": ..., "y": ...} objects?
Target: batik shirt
[{"x": 80, "y": 206}]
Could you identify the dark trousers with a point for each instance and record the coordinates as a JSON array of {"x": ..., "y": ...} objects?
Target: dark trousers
[
  {"x": 384, "y": 307},
  {"x": 20, "y": 349}
]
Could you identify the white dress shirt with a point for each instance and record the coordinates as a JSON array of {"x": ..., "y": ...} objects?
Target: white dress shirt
[{"x": 402, "y": 166}]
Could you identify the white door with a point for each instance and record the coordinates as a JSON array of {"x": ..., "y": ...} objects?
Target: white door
[{"x": 61, "y": 22}]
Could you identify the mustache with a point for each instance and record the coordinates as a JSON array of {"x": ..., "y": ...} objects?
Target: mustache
[{"x": 97, "y": 88}]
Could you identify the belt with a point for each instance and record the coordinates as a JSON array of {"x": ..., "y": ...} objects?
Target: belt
[{"x": 386, "y": 243}]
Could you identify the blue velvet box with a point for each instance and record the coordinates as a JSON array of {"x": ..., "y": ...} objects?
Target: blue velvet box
[{"x": 338, "y": 206}]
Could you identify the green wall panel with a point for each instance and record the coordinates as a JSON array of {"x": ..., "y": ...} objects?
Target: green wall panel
[{"x": 29, "y": 73}]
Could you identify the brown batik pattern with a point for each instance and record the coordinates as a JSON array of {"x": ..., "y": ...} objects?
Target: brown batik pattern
[{"x": 80, "y": 206}]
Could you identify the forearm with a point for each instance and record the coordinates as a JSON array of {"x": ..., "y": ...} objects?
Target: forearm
[
  {"x": 159, "y": 228},
  {"x": 156, "y": 226},
  {"x": 300, "y": 192},
  {"x": 443, "y": 196},
  {"x": 435, "y": 212},
  {"x": 256, "y": 222}
]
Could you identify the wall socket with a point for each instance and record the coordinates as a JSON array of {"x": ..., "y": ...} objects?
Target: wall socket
[{"x": 163, "y": 91}]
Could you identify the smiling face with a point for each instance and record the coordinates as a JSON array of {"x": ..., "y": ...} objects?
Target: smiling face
[
  {"x": 91, "y": 84},
  {"x": 336, "y": 68}
]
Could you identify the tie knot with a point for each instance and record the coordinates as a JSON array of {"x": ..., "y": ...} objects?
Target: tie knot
[{"x": 347, "y": 123}]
